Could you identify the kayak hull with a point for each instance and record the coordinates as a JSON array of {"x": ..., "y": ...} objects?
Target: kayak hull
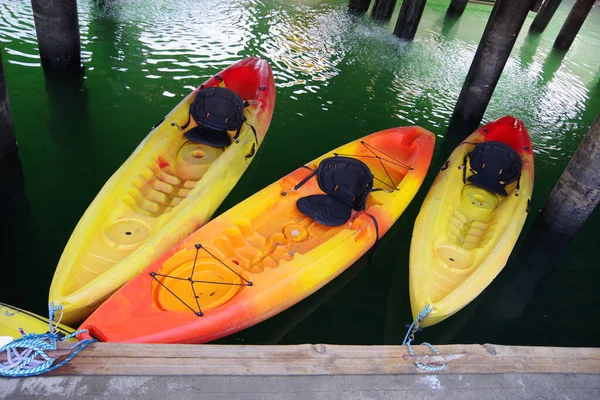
[
  {"x": 464, "y": 234},
  {"x": 267, "y": 241},
  {"x": 165, "y": 190}
]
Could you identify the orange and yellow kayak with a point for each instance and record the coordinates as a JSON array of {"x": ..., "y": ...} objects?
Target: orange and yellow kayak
[
  {"x": 166, "y": 189},
  {"x": 265, "y": 254},
  {"x": 471, "y": 218}
]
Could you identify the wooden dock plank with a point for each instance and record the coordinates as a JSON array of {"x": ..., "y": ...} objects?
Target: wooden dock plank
[
  {"x": 155, "y": 359},
  {"x": 305, "y": 387}
]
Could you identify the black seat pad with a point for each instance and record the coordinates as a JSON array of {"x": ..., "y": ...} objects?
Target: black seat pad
[
  {"x": 216, "y": 110},
  {"x": 207, "y": 136},
  {"x": 346, "y": 182},
  {"x": 495, "y": 165},
  {"x": 324, "y": 209}
]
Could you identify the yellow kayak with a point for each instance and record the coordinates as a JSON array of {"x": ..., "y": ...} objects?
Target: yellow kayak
[
  {"x": 12, "y": 319},
  {"x": 471, "y": 218},
  {"x": 169, "y": 187}
]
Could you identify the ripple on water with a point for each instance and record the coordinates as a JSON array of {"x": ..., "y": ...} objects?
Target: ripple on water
[
  {"x": 312, "y": 43},
  {"x": 304, "y": 44},
  {"x": 200, "y": 35}
]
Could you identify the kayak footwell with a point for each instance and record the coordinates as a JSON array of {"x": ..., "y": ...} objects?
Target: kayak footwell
[{"x": 157, "y": 191}]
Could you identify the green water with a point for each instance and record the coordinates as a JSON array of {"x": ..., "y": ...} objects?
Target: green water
[{"x": 338, "y": 78}]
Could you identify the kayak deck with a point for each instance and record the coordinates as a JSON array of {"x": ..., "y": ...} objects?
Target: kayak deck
[
  {"x": 158, "y": 190},
  {"x": 264, "y": 255},
  {"x": 165, "y": 190},
  {"x": 256, "y": 242},
  {"x": 465, "y": 233}
]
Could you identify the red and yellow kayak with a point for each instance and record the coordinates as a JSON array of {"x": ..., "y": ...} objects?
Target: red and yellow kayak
[
  {"x": 264, "y": 255},
  {"x": 471, "y": 219},
  {"x": 166, "y": 189}
]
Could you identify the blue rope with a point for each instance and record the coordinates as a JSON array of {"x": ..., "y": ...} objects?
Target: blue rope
[
  {"x": 410, "y": 336},
  {"x": 33, "y": 360}
]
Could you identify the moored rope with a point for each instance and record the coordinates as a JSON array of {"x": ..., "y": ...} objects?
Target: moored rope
[
  {"x": 26, "y": 356},
  {"x": 410, "y": 336}
]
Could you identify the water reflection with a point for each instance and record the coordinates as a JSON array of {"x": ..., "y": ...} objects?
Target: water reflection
[
  {"x": 509, "y": 294},
  {"x": 551, "y": 65},
  {"x": 70, "y": 148},
  {"x": 19, "y": 243},
  {"x": 201, "y": 37},
  {"x": 529, "y": 48},
  {"x": 448, "y": 23},
  {"x": 305, "y": 45},
  {"x": 16, "y": 25}
]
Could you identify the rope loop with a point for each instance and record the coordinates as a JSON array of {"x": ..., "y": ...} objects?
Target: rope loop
[
  {"x": 410, "y": 336},
  {"x": 26, "y": 356}
]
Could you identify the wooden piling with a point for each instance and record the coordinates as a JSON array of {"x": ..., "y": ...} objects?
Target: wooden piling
[
  {"x": 573, "y": 23},
  {"x": 57, "y": 29},
  {"x": 359, "y": 6},
  {"x": 383, "y": 10},
  {"x": 409, "y": 18},
  {"x": 8, "y": 142},
  {"x": 498, "y": 39},
  {"x": 544, "y": 15},
  {"x": 577, "y": 192},
  {"x": 538, "y": 4},
  {"x": 456, "y": 8}
]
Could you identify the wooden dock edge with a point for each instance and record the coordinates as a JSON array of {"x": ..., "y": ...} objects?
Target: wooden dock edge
[{"x": 319, "y": 359}]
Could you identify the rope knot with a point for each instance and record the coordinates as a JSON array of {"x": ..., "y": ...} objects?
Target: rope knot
[
  {"x": 410, "y": 336},
  {"x": 26, "y": 356}
]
